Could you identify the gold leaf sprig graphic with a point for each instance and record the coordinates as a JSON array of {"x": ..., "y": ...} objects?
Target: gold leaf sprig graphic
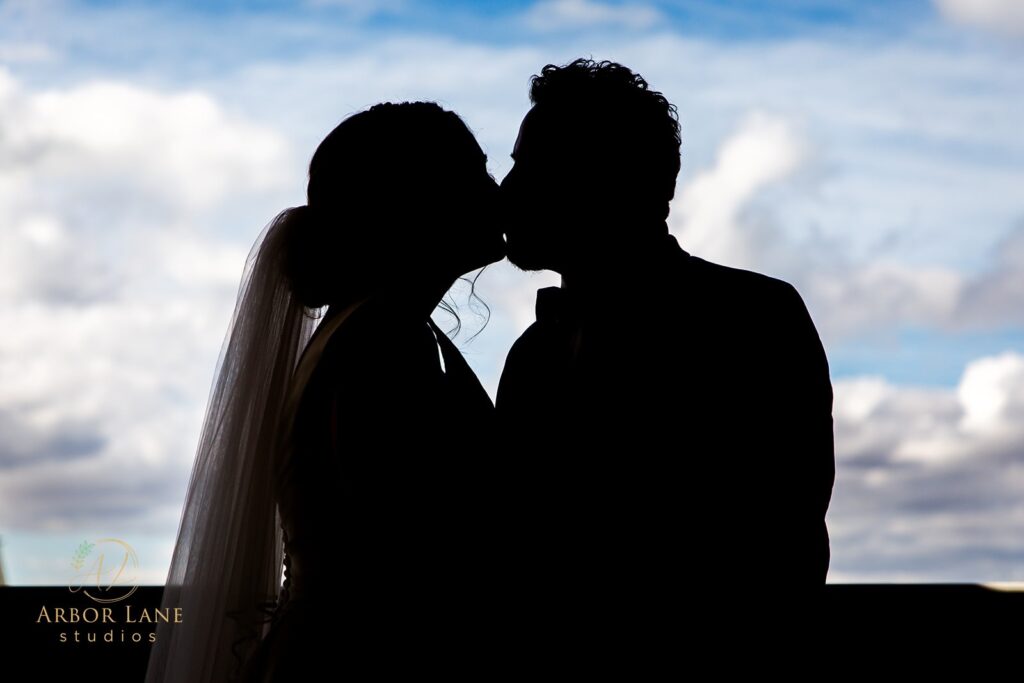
[{"x": 81, "y": 552}]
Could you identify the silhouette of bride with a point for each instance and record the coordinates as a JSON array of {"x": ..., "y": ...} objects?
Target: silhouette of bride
[{"x": 328, "y": 456}]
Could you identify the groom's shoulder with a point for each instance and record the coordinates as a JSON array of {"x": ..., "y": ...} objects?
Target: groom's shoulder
[{"x": 732, "y": 286}]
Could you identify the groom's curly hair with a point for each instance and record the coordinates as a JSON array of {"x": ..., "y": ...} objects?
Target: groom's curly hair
[{"x": 624, "y": 110}]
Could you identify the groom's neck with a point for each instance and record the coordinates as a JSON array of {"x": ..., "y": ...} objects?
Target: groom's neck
[{"x": 608, "y": 273}]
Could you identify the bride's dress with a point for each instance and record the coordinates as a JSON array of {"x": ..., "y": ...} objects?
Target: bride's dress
[{"x": 386, "y": 502}]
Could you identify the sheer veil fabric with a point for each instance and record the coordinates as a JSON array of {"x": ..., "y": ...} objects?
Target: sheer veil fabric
[{"x": 226, "y": 568}]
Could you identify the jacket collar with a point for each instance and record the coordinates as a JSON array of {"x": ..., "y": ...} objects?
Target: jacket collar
[{"x": 558, "y": 305}]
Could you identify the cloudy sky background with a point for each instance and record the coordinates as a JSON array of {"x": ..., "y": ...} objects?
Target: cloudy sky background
[{"x": 868, "y": 152}]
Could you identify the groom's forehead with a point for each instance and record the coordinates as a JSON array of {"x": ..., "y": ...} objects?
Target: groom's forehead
[{"x": 545, "y": 128}]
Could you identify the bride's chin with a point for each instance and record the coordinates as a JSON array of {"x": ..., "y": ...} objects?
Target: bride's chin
[
  {"x": 486, "y": 254},
  {"x": 498, "y": 249}
]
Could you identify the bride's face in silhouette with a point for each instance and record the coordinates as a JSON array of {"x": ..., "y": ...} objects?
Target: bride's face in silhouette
[
  {"x": 410, "y": 206},
  {"x": 440, "y": 206},
  {"x": 463, "y": 207}
]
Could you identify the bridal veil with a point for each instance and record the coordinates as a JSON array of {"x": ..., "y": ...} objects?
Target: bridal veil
[{"x": 226, "y": 569}]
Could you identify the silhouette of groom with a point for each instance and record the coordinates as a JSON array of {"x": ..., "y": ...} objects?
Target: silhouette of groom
[{"x": 669, "y": 418}]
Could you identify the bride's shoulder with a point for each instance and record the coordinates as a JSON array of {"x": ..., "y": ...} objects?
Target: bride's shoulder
[{"x": 368, "y": 332}]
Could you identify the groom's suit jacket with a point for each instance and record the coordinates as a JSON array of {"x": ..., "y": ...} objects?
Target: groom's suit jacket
[{"x": 675, "y": 437}]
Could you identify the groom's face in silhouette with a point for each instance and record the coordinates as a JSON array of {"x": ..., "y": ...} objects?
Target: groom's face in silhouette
[
  {"x": 548, "y": 195},
  {"x": 563, "y": 199}
]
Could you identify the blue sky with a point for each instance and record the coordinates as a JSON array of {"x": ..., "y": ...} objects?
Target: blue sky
[{"x": 869, "y": 153}]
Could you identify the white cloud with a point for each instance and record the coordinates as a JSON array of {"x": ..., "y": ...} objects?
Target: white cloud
[
  {"x": 992, "y": 394},
  {"x": 998, "y": 16},
  {"x": 180, "y": 145},
  {"x": 99, "y": 168},
  {"x": 718, "y": 216},
  {"x": 930, "y": 481},
  {"x": 553, "y": 15},
  {"x": 994, "y": 296},
  {"x": 861, "y": 299},
  {"x": 763, "y": 149},
  {"x": 119, "y": 277}
]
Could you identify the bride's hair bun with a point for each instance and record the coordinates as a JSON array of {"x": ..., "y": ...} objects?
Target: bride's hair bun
[{"x": 304, "y": 261}]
